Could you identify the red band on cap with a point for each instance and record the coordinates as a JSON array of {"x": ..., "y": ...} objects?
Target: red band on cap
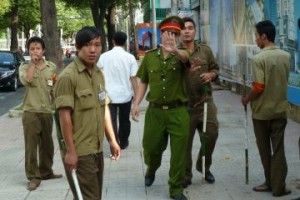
[{"x": 170, "y": 25}]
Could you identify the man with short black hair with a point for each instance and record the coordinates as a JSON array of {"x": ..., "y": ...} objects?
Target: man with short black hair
[
  {"x": 268, "y": 97},
  {"x": 119, "y": 68},
  {"x": 204, "y": 69},
  {"x": 81, "y": 101},
  {"x": 38, "y": 76}
]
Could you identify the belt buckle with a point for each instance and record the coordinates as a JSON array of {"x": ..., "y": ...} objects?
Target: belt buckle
[{"x": 165, "y": 107}]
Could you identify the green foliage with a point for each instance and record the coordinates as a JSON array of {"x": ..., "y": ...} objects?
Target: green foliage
[
  {"x": 29, "y": 14},
  {"x": 71, "y": 19},
  {"x": 5, "y": 6}
]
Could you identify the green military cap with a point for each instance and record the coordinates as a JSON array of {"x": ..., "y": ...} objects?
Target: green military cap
[{"x": 173, "y": 23}]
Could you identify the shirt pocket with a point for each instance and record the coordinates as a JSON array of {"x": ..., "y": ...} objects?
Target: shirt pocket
[
  {"x": 175, "y": 70},
  {"x": 204, "y": 66},
  {"x": 86, "y": 99},
  {"x": 155, "y": 75}
]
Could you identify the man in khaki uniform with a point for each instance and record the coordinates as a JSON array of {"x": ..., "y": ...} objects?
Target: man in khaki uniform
[
  {"x": 268, "y": 97},
  {"x": 38, "y": 77},
  {"x": 204, "y": 69},
  {"x": 81, "y": 101}
]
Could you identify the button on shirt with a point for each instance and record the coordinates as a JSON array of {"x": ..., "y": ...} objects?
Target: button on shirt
[{"x": 118, "y": 66}]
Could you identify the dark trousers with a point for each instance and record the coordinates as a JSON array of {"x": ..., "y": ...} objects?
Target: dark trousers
[
  {"x": 38, "y": 139},
  {"x": 270, "y": 142},
  {"x": 207, "y": 139},
  {"x": 120, "y": 114},
  {"x": 90, "y": 176}
]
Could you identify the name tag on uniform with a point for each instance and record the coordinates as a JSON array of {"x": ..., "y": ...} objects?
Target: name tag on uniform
[
  {"x": 50, "y": 82},
  {"x": 102, "y": 95}
]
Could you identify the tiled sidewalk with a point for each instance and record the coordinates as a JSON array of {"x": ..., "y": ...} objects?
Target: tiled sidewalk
[{"x": 124, "y": 179}]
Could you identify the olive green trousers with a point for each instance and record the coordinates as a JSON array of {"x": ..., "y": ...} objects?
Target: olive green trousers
[
  {"x": 38, "y": 140},
  {"x": 159, "y": 126}
]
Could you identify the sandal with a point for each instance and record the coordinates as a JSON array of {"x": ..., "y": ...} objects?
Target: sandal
[{"x": 262, "y": 188}]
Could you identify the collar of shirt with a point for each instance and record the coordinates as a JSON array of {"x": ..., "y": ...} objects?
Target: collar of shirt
[
  {"x": 118, "y": 48},
  {"x": 81, "y": 67}
]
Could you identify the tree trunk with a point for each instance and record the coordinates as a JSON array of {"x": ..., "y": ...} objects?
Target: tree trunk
[
  {"x": 111, "y": 29},
  {"x": 14, "y": 27},
  {"x": 50, "y": 32},
  {"x": 131, "y": 31},
  {"x": 98, "y": 8}
]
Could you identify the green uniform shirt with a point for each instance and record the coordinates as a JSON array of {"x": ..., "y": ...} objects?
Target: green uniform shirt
[
  {"x": 271, "y": 67},
  {"x": 84, "y": 94},
  {"x": 208, "y": 63},
  {"x": 165, "y": 77},
  {"x": 38, "y": 91}
]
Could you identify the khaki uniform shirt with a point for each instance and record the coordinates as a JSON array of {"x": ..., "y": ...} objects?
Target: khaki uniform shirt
[
  {"x": 84, "y": 94},
  {"x": 208, "y": 63},
  {"x": 38, "y": 91},
  {"x": 165, "y": 77},
  {"x": 271, "y": 68}
]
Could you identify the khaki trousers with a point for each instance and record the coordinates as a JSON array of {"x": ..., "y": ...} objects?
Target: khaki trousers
[
  {"x": 38, "y": 139},
  {"x": 90, "y": 176},
  {"x": 208, "y": 140},
  {"x": 270, "y": 142}
]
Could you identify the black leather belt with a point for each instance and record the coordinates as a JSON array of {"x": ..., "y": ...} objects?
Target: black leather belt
[{"x": 167, "y": 106}]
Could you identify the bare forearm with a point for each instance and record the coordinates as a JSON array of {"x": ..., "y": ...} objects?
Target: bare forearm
[
  {"x": 67, "y": 127},
  {"x": 109, "y": 131},
  {"x": 30, "y": 72},
  {"x": 182, "y": 55},
  {"x": 134, "y": 84},
  {"x": 141, "y": 90}
]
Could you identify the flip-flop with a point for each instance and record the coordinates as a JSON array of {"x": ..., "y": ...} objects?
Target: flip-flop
[
  {"x": 286, "y": 192},
  {"x": 262, "y": 188}
]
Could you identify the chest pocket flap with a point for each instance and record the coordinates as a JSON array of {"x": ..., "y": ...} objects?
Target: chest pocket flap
[{"x": 86, "y": 99}]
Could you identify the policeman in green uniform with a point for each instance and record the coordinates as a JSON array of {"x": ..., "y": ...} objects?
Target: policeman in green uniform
[
  {"x": 38, "y": 77},
  {"x": 204, "y": 69},
  {"x": 163, "y": 70},
  {"x": 81, "y": 101}
]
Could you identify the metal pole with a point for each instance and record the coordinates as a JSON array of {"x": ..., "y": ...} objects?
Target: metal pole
[
  {"x": 246, "y": 134},
  {"x": 204, "y": 139},
  {"x": 154, "y": 32}
]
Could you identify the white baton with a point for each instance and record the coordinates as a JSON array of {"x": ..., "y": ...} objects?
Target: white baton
[{"x": 75, "y": 180}]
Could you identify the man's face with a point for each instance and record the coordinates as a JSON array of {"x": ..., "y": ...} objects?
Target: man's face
[
  {"x": 36, "y": 50},
  {"x": 259, "y": 39},
  {"x": 188, "y": 33},
  {"x": 91, "y": 51}
]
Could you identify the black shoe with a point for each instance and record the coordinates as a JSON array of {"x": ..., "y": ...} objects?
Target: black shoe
[
  {"x": 179, "y": 197},
  {"x": 149, "y": 179},
  {"x": 209, "y": 177},
  {"x": 186, "y": 183},
  {"x": 124, "y": 145}
]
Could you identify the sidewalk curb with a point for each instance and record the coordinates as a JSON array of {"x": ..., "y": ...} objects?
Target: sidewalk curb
[{"x": 16, "y": 111}]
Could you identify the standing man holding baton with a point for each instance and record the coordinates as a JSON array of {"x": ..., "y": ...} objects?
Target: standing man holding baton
[
  {"x": 268, "y": 97},
  {"x": 84, "y": 116},
  {"x": 204, "y": 69}
]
